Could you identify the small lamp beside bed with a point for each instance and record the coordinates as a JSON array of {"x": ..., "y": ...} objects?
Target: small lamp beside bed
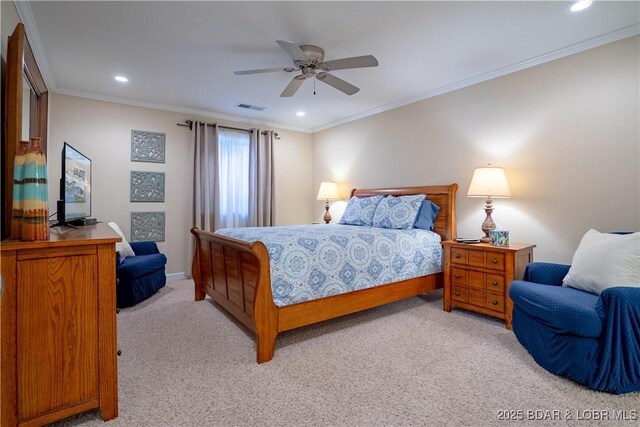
[
  {"x": 488, "y": 182},
  {"x": 328, "y": 191}
]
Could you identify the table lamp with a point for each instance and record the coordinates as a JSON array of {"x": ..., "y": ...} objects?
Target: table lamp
[
  {"x": 328, "y": 191},
  {"x": 489, "y": 181}
]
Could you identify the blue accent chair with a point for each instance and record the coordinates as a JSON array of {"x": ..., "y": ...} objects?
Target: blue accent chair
[
  {"x": 140, "y": 276},
  {"x": 592, "y": 339}
]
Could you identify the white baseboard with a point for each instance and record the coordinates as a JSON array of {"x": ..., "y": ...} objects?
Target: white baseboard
[{"x": 172, "y": 277}]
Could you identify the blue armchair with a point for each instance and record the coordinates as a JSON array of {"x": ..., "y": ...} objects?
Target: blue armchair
[
  {"x": 592, "y": 339},
  {"x": 140, "y": 276}
]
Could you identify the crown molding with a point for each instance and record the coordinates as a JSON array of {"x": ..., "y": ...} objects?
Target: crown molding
[
  {"x": 611, "y": 37},
  {"x": 176, "y": 109},
  {"x": 26, "y": 17}
]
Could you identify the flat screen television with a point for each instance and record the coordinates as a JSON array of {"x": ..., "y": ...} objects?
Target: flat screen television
[{"x": 75, "y": 186}]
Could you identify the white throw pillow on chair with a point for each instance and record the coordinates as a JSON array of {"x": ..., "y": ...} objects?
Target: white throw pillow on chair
[
  {"x": 605, "y": 260},
  {"x": 124, "y": 248}
]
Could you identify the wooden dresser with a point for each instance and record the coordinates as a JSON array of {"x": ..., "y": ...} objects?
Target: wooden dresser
[
  {"x": 58, "y": 327},
  {"x": 477, "y": 276}
]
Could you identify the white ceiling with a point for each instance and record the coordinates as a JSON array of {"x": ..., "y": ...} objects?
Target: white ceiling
[{"x": 180, "y": 56}]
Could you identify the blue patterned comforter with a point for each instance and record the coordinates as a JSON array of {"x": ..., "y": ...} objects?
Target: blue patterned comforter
[{"x": 315, "y": 261}]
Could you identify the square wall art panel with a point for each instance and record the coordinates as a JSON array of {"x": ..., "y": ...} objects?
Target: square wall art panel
[
  {"x": 147, "y": 226},
  {"x": 147, "y": 146},
  {"x": 147, "y": 186}
]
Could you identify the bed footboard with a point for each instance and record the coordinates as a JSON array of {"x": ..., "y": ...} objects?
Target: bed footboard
[{"x": 236, "y": 275}]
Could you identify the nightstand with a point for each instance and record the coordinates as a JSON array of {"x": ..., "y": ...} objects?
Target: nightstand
[{"x": 477, "y": 276}]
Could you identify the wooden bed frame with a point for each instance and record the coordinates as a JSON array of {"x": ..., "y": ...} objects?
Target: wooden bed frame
[{"x": 236, "y": 275}]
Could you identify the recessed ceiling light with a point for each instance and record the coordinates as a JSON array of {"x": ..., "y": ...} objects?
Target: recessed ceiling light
[
  {"x": 300, "y": 114},
  {"x": 121, "y": 79},
  {"x": 580, "y": 5}
]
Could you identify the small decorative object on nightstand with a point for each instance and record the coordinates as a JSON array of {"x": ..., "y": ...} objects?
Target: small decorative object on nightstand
[
  {"x": 477, "y": 276},
  {"x": 328, "y": 191},
  {"x": 488, "y": 181}
]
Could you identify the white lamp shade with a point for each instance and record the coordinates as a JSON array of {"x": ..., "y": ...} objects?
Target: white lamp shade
[
  {"x": 328, "y": 191},
  {"x": 489, "y": 182}
]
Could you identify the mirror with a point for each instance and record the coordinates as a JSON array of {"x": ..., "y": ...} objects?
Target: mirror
[
  {"x": 26, "y": 109},
  {"x": 25, "y": 104}
]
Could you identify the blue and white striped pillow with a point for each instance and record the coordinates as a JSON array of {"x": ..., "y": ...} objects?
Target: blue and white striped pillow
[
  {"x": 398, "y": 212},
  {"x": 360, "y": 210}
]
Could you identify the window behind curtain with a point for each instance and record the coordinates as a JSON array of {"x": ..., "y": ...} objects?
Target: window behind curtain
[{"x": 233, "y": 177}]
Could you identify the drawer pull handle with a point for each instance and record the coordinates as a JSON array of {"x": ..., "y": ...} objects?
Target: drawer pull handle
[
  {"x": 119, "y": 353},
  {"x": 494, "y": 283},
  {"x": 457, "y": 276},
  {"x": 457, "y": 293},
  {"x": 458, "y": 255},
  {"x": 494, "y": 302},
  {"x": 495, "y": 261}
]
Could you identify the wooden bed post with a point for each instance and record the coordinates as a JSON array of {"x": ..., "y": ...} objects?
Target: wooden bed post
[
  {"x": 199, "y": 294},
  {"x": 265, "y": 312}
]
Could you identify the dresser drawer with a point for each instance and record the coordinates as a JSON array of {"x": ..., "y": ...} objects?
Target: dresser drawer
[
  {"x": 495, "y": 283},
  {"x": 459, "y": 256},
  {"x": 459, "y": 293},
  {"x": 459, "y": 276},
  {"x": 495, "y": 261},
  {"x": 495, "y": 302},
  {"x": 476, "y": 297}
]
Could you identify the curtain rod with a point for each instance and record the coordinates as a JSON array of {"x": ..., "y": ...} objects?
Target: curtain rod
[{"x": 189, "y": 124}]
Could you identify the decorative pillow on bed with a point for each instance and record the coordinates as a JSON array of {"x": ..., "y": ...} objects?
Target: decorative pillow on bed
[
  {"x": 427, "y": 215},
  {"x": 360, "y": 210},
  {"x": 604, "y": 260},
  {"x": 398, "y": 212}
]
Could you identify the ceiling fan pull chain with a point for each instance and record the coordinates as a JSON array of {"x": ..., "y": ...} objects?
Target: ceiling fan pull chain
[{"x": 314, "y": 84}]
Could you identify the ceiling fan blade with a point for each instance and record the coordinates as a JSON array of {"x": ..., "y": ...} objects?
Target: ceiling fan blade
[
  {"x": 339, "y": 84},
  {"x": 263, "y": 70},
  {"x": 353, "y": 62},
  {"x": 292, "y": 87},
  {"x": 293, "y": 50}
]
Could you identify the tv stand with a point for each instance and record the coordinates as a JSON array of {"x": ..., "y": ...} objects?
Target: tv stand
[{"x": 58, "y": 310}]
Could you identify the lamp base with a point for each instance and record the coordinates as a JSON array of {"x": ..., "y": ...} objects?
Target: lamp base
[
  {"x": 327, "y": 215},
  {"x": 488, "y": 223}
]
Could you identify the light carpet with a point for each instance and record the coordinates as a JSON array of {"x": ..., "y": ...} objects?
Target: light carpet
[{"x": 187, "y": 363}]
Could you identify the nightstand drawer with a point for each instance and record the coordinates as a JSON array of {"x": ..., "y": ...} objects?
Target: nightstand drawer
[
  {"x": 476, "y": 297},
  {"x": 459, "y": 276},
  {"x": 459, "y": 256},
  {"x": 475, "y": 279},
  {"x": 475, "y": 258},
  {"x": 495, "y": 261},
  {"x": 495, "y": 283},
  {"x": 495, "y": 302},
  {"x": 459, "y": 293}
]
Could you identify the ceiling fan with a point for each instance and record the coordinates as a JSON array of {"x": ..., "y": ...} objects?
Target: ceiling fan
[{"x": 309, "y": 60}]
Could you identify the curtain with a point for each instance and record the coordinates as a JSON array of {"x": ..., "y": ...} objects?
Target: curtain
[
  {"x": 261, "y": 191},
  {"x": 232, "y": 177},
  {"x": 205, "y": 138}
]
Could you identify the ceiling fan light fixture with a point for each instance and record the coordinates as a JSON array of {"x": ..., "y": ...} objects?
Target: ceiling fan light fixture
[{"x": 580, "y": 5}]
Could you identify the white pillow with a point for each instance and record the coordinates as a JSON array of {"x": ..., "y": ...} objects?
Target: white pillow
[
  {"x": 123, "y": 247},
  {"x": 604, "y": 260}
]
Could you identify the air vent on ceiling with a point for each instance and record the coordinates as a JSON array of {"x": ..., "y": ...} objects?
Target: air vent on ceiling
[{"x": 250, "y": 107}]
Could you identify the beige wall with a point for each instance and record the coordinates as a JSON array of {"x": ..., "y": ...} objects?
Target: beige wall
[
  {"x": 102, "y": 131},
  {"x": 8, "y": 21},
  {"x": 566, "y": 132}
]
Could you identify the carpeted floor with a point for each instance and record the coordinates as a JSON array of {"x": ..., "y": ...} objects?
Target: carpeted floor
[{"x": 187, "y": 363}]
